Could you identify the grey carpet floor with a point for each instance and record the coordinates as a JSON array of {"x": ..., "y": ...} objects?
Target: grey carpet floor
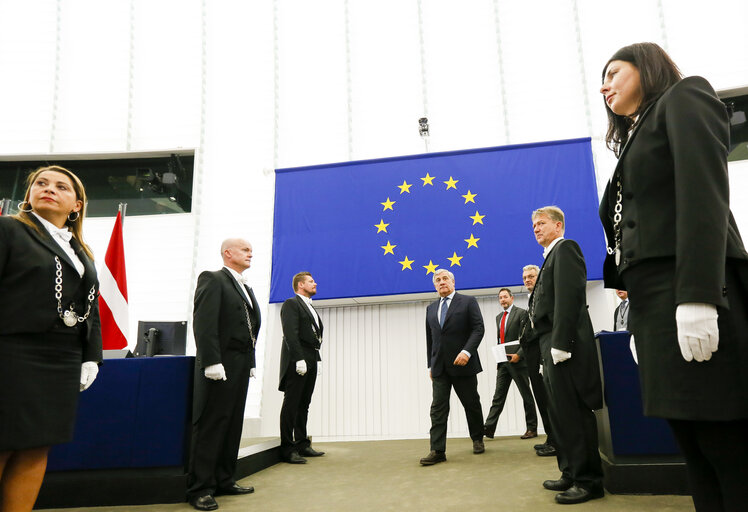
[{"x": 385, "y": 476}]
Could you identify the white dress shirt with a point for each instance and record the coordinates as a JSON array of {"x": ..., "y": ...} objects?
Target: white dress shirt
[
  {"x": 240, "y": 279},
  {"x": 62, "y": 237},
  {"x": 308, "y": 302}
]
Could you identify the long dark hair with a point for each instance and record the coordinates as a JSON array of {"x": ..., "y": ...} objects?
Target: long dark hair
[{"x": 657, "y": 73}]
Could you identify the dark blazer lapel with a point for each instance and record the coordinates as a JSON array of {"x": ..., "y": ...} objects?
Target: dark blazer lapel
[
  {"x": 632, "y": 137},
  {"x": 237, "y": 286},
  {"x": 89, "y": 272},
  {"x": 44, "y": 238}
]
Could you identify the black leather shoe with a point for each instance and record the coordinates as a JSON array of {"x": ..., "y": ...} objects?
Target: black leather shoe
[
  {"x": 310, "y": 452},
  {"x": 235, "y": 489},
  {"x": 548, "y": 451},
  {"x": 488, "y": 432},
  {"x": 433, "y": 458},
  {"x": 295, "y": 458},
  {"x": 478, "y": 446},
  {"x": 540, "y": 446},
  {"x": 576, "y": 494},
  {"x": 204, "y": 503},
  {"x": 561, "y": 484}
]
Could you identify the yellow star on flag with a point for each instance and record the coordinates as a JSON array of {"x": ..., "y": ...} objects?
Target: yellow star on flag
[
  {"x": 406, "y": 263},
  {"x": 452, "y": 183},
  {"x": 381, "y": 226},
  {"x": 477, "y": 218},
  {"x": 455, "y": 260},
  {"x": 430, "y": 268},
  {"x": 405, "y": 187},
  {"x": 428, "y": 180},
  {"x": 472, "y": 241},
  {"x": 388, "y": 248},
  {"x": 388, "y": 204},
  {"x": 469, "y": 198}
]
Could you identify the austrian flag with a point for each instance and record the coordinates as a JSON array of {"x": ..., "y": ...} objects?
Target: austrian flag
[{"x": 113, "y": 307}]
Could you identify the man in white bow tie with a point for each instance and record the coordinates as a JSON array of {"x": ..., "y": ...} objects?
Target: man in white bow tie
[
  {"x": 226, "y": 322},
  {"x": 302, "y": 338}
]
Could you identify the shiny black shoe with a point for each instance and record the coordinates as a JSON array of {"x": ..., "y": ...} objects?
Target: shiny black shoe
[
  {"x": 540, "y": 446},
  {"x": 548, "y": 451},
  {"x": 576, "y": 494},
  {"x": 234, "y": 490},
  {"x": 310, "y": 452},
  {"x": 561, "y": 484},
  {"x": 433, "y": 458},
  {"x": 489, "y": 432},
  {"x": 203, "y": 503},
  {"x": 295, "y": 458}
]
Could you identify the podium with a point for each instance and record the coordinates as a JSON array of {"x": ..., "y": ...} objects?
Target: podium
[
  {"x": 639, "y": 453},
  {"x": 131, "y": 441}
]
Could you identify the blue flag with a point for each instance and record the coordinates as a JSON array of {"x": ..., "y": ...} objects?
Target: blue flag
[{"x": 381, "y": 227}]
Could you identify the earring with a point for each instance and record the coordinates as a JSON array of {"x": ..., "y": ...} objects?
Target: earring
[
  {"x": 77, "y": 214},
  {"x": 20, "y": 208}
]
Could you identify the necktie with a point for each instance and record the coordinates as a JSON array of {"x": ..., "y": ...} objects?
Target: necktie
[
  {"x": 503, "y": 324},
  {"x": 622, "y": 311},
  {"x": 443, "y": 313}
]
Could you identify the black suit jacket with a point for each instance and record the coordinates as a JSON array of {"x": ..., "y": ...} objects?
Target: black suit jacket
[
  {"x": 463, "y": 330},
  {"x": 515, "y": 324},
  {"x": 676, "y": 194},
  {"x": 220, "y": 318},
  {"x": 302, "y": 337},
  {"x": 27, "y": 280},
  {"x": 559, "y": 309}
]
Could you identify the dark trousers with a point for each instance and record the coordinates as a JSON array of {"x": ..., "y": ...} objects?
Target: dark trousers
[
  {"x": 506, "y": 373},
  {"x": 532, "y": 356},
  {"x": 217, "y": 432},
  {"x": 717, "y": 462},
  {"x": 295, "y": 408},
  {"x": 467, "y": 391},
  {"x": 573, "y": 423}
]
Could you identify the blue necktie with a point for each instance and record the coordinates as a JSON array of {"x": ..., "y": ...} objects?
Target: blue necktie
[{"x": 443, "y": 313}]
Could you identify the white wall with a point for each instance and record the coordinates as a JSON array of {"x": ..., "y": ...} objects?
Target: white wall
[{"x": 276, "y": 83}]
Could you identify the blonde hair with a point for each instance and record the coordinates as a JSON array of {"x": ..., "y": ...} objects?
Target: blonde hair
[
  {"x": 76, "y": 226},
  {"x": 554, "y": 213}
]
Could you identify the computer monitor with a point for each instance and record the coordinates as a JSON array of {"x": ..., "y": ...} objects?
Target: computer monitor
[{"x": 161, "y": 338}]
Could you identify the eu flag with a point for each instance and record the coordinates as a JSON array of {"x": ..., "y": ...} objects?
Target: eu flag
[{"x": 381, "y": 227}]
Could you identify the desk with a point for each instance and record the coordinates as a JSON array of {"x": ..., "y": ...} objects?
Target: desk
[
  {"x": 134, "y": 422},
  {"x": 639, "y": 453}
]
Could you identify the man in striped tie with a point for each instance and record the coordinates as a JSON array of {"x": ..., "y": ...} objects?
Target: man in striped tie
[{"x": 454, "y": 330}]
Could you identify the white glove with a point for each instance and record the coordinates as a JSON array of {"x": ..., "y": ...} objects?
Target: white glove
[
  {"x": 89, "y": 371},
  {"x": 301, "y": 367},
  {"x": 559, "y": 356},
  {"x": 540, "y": 369},
  {"x": 698, "y": 332},
  {"x": 215, "y": 372},
  {"x": 251, "y": 373}
]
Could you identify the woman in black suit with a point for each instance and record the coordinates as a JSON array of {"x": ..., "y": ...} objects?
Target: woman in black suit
[
  {"x": 675, "y": 247},
  {"x": 50, "y": 339}
]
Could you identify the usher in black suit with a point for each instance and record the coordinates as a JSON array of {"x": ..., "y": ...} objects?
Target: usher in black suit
[
  {"x": 507, "y": 372},
  {"x": 463, "y": 330},
  {"x": 558, "y": 310},
  {"x": 222, "y": 335},
  {"x": 302, "y": 338}
]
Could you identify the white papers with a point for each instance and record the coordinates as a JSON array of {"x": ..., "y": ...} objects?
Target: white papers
[{"x": 499, "y": 351}]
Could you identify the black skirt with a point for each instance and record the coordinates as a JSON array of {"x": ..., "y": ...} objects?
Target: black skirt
[
  {"x": 672, "y": 388},
  {"x": 39, "y": 388}
]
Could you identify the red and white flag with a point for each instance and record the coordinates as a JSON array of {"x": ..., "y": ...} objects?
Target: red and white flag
[{"x": 113, "y": 307}]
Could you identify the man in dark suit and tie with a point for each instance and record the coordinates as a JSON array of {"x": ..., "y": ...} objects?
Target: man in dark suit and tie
[
  {"x": 558, "y": 312},
  {"x": 621, "y": 314},
  {"x": 530, "y": 350},
  {"x": 454, "y": 329},
  {"x": 302, "y": 338},
  {"x": 226, "y": 322},
  {"x": 509, "y": 325}
]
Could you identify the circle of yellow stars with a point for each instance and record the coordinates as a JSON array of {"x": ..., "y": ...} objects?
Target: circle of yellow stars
[{"x": 428, "y": 180}]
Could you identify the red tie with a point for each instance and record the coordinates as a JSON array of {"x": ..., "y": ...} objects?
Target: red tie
[{"x": 503, "y": 323}]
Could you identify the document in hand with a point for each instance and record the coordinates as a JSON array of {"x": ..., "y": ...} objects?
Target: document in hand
[{"x": 499, "y": 351}]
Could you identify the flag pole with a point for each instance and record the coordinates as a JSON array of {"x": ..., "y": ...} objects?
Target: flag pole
[{"x": 123, "y": 210}]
